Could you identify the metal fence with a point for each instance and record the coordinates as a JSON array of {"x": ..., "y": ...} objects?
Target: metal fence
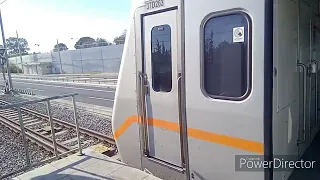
[
  {"x": 89, "y": 60},
  {"x": 18, "y": 107},
  {"x": 92, "y": 80}
]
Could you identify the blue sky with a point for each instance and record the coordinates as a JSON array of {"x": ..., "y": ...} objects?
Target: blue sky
[
  {"x": 117, "y": 9},
  {"x": 43, "y": 21}
]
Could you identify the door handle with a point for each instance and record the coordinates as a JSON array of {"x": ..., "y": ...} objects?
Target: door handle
[
  {"x": 304, "y": 67},
  {"x": 316, "y": 92},
  {"x": 147, "y": 88}
]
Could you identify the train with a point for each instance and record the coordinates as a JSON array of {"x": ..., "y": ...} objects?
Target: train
[{"x": 207, "y": 88}]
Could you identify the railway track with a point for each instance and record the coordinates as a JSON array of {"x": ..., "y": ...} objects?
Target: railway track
[{"x": 37, "y": 129}]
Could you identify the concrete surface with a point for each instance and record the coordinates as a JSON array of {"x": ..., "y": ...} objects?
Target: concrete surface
[
  {"x": 91, "y": 166},
  {"x": 89, "y": 94}
]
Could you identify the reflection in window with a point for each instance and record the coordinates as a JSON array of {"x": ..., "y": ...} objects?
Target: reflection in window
[
  {"x": 161, "y": 58},
  {"x": 225, "y": 60}
]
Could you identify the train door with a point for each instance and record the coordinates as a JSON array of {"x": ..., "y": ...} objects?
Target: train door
[
  {"x": 161, "y": 140},
  {"x": 304, "y": 57},
  {"x": 289, "y": 94},
  {"x": 314, "y": 96}
]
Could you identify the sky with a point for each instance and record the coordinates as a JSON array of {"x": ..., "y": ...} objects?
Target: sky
[{"x": 44, "y": 21}]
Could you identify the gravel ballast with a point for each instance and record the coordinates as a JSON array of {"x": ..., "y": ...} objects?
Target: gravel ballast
[
  {"x": 86, "y": 120},
  {"x": 12, "y": 154}
]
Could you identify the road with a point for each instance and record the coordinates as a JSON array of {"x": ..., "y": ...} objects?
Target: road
[{"x": 100, "y": 96}]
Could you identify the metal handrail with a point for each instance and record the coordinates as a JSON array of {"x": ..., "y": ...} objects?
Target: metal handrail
[
  {"x": 142, "y": 114},
  {"x": 18, "y": 106},
  {"x": 14, "y": 105},
  {"x": 304, "y": 67},
  {"x": 180, "y": 121},
  {"x": 102, "y": 81}
]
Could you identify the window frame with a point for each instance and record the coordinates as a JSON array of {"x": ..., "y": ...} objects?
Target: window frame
[{"x": 248, "y": 59}]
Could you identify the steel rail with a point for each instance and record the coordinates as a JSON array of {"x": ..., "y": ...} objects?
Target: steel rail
[
  {"x": 72, "y": 126},
  {"x": 69, "y": 125},
  {"x": 33, "y": 135}
]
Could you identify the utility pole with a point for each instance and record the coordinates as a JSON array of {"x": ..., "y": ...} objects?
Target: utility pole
[
  {"x": 19, "y": 49},
  {"x": 6, "y": 54},
  {"x": 2, "y": 69},
  {"x": 59, "y": 57}
]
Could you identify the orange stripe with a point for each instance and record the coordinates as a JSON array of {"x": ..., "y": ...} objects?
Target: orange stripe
[
  {"x": 235, "y": 142},
  {"x": 125, "y": 126}
]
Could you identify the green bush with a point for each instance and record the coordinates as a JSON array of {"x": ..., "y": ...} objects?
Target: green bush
[{"x": 13, "y": 69}]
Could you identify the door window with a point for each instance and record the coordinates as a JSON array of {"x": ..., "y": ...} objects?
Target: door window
[{"x": 161, "y": 58}]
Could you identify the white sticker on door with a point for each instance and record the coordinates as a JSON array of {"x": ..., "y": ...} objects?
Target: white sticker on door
[{"x": 238, "y": 34}]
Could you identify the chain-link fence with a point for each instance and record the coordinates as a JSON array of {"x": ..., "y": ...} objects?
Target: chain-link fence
[{"x": 89, "y": 60}]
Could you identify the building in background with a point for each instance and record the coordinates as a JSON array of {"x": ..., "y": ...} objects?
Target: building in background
[{"x": 40, "y": 68}]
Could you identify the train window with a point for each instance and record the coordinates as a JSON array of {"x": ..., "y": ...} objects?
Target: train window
[
  {"x": 226, "y": 57},
  {"x": 161, "y": 58}
]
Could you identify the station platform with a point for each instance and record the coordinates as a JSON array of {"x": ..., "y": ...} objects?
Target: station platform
[{"x": 93, "y": 165}]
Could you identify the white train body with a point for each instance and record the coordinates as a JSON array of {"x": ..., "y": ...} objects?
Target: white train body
[{"x": 204, "y": 81}]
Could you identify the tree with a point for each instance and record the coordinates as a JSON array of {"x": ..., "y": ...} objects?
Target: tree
[
  {"x": 62, "y": 47},
  {"x": 102, "y": 42},
  {"x": 13, "y": 46},
  {"x": 120, "y": 39},
  {"x": 85, "y": 42}
]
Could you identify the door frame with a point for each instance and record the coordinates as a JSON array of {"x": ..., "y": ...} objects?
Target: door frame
[
  {"x": 158, "y": 147},
  {"x": 268, "y": 86},
  {"x": 178, "y": 172}
]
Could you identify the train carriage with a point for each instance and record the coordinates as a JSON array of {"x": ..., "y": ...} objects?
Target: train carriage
[{"x": 205, "y": 83}]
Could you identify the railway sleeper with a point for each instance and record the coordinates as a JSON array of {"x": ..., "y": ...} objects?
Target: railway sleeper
[
  {"x": 71, "y": 140},
  {"x": 45, "y": 133},
  {"x": 8, "y": 110},
  {"x": 24, "y": 118},
  {"x": 8, "y": 113},
  {"x": 86, "y": 143},
  {"x": 15, "y": 115},
  {"x": 34, "y": 123},
  {"x": 61, "y": 132},
  {"x": 47, "y": 130},
  {"x": 31, "y": 120},
  {"x": 76, "y": 146},
  {"x": 11, "y": 116}
]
